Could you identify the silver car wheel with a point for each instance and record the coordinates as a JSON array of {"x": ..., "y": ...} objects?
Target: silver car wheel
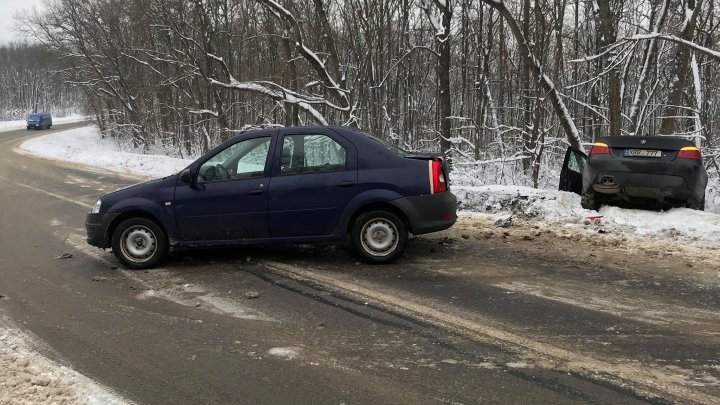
[
  {"x": 379, "y": 237},
  {"x": 138, "y": 244}
]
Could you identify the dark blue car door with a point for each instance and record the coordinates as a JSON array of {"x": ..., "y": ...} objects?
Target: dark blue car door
[
  {"x": 228, "y": 199},
  {"x": 314, "y": 177}
]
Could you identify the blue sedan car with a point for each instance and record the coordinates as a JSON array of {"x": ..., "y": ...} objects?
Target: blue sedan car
[{"x": 289, "y": 185}]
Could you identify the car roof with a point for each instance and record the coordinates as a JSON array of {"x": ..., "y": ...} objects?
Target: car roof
[{"x": 354, "y": 135}]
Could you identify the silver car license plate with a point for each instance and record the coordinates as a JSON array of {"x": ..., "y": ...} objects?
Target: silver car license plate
[{"x": 643, "y": 153}]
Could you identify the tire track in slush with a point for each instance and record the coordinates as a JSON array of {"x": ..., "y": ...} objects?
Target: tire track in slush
[{"x": 647, "y": 381}]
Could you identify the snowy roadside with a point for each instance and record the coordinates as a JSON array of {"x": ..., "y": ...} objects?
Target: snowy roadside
[
  {"x": 546, "y": 208},
  {"x": 12, "y": 125},
  {"x": 562, "y": 209},
  {"x": 28, "y": 377},
  {"x": 85, "y": 146}
]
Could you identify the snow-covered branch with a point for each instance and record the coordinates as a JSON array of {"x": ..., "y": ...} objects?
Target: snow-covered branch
[{"x": 672, "y": 38}]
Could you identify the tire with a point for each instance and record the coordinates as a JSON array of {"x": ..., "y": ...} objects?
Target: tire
[
  {"x": 378, "y": 237},
  {"x": 589, "y": 200},
  {"x": 696, "y": 205},
  {"x": 139, "y": 243}
]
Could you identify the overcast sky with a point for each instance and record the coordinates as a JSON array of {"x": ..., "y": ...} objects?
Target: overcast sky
[{"x": 8, "y": 9}]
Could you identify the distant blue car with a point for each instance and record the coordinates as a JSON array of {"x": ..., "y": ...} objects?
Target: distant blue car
[
  {"x": 289, "y": 185},
  {"x": 39, "y": 121}
]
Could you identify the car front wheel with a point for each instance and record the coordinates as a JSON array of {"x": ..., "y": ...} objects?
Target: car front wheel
[
  {"x": 379, "y": 237},
  {"x": 139, "y": 243}
]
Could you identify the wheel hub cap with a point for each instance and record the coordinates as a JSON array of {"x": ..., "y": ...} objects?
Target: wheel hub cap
[
  {"x": 138, "y": 244},
  {"x": 379, "y": 237}
]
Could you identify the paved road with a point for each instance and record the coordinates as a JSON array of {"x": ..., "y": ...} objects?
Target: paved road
[{"x": 472, "y": 315}]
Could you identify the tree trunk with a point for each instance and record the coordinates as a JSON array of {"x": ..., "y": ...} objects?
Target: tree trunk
[
  {"x": 607, "y": 32},
  {"x": 649, "y": 60},
  {"x": 527, "y": 93},
  {"x": 678, "y": 83}
]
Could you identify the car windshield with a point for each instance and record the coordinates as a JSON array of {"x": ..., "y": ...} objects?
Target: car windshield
[
  {"x": 399, "y": 151},
  {"x": 35, "y": 116}
]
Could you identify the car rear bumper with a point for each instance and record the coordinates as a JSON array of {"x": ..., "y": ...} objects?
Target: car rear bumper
[
  {"x": 429, "y": 213},
  {"x": 642, "y": 185},
  {"x": 97, "y": 226},
  {"x": 682, "y": 181}
]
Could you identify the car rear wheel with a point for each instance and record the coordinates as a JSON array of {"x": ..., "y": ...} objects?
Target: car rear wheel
[
  {"x": 379, "y": 237},
  {"x": 139, "y": 243},
  {"x": 589, "y": 200},
  {"x": 696, "y": 205}
]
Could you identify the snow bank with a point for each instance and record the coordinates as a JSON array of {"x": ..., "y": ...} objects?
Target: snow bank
[
  {"x": 563, "y": 208},
  {"x": 27, "y": 377},
  {"x": 11, "y": 125},
  {"x": 521, "y": 201},
  {"x": 683, "y": 222},
  {"x": 86, "y": 146}
]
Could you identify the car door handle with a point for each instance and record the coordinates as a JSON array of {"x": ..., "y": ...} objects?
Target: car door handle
[
  {"x": 345, "y": 184},
  {"x": 255, "y": 192}
]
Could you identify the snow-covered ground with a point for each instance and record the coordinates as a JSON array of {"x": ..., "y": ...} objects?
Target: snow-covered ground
[
  {"x": 86, "y": 146},
  {"x": 546, "y": 207},
  {"x": 552, "y": 207},
  {"x": 28, "y": 377},
  {"x": 10, "y": 125}
]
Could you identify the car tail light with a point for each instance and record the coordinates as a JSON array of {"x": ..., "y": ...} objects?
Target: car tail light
[
  {"x": 599, "y": 148},
  {"x": 689, "y": 152},
  {"x": 437, "y": 177}
]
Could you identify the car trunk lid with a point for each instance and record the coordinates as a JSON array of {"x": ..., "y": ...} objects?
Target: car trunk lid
[
  {"x": 642, "y": 147},
  {"x": 439, "y": 177},
  {"x": 646, "y": 142}
]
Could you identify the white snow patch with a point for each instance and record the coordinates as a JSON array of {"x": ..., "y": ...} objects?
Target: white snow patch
[
  {"x": 683, "y": 222},
  {"x": 231, "y": 307},
  {"x": 522, "y": 201},
  {"x": 563, "y": 208},
  {"x": 86, "y": 146},
  {"x": 28, "y": 377},
  {"x": 288, "y": 353},
  {"x": 12, "y": 125},
  {"x": 210, "y": 302}
]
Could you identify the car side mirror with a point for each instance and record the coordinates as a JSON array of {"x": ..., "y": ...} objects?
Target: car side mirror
[{"x": 186, "y": 176}]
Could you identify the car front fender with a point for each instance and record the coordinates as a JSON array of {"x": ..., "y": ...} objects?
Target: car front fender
[{"x": 163, "y": 214}]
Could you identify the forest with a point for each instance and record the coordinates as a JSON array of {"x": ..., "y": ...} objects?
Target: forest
[
  {"x": 502, "y": 87},
  {"x": 29, "y": 82}
]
